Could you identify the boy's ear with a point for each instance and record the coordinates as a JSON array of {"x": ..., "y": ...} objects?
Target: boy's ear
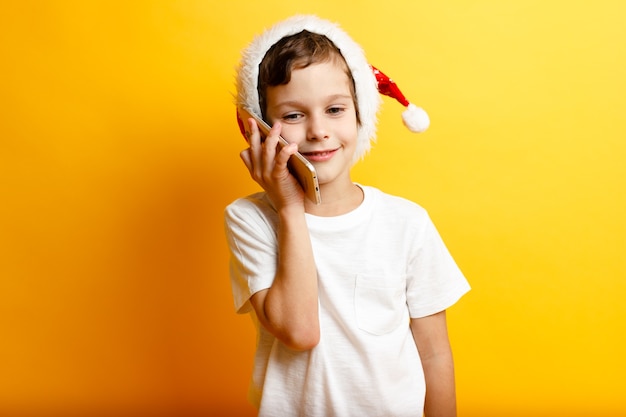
[{"x": 242, "y": 127}]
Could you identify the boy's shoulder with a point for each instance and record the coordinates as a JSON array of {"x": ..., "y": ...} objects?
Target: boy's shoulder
[
  {"x": 393, "y": 202},
  {"x": 254, "y": 203},
  {"x": 396, "y": 213}
]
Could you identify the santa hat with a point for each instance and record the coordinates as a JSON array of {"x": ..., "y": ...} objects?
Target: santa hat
[
  {"x": 414, "y": 118},
  {"x": 369, "y": 82}
]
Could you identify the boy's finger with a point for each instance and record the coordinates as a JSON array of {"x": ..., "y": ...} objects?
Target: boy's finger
[
  {"x": 254, "y": 140},
  {"x": 246, "y": 158},
  {"x": 283, "y": 156},
  {"x": 253, "y": 135}
]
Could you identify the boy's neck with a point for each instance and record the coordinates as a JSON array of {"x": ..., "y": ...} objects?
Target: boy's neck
[{"x": 336, "y": 202}]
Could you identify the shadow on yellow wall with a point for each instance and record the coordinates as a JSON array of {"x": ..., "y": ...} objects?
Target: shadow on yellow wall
[{"x": 119, "y": 150}]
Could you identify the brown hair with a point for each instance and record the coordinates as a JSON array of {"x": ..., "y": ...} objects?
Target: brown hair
[{"x": 296, "y": 52}]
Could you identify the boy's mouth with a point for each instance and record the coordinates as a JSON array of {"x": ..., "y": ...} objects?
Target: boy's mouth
[{"x": 319, "y": 156}]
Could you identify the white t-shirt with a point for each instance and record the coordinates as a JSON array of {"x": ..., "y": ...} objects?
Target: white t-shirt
[{"x": 378, "y": 266}]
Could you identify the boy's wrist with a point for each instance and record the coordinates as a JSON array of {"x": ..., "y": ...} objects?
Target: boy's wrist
[{"x": 291, "y": 211}]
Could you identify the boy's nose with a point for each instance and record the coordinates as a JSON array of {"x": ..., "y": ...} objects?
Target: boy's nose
[{"x": 317, "y": 128}]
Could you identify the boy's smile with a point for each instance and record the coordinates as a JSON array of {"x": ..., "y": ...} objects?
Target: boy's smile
[
  {"x": 317, "y": 112},
  {"x": 320, "y": 156}
]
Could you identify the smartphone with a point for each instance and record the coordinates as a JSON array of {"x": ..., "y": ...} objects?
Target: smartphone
[{"x": 298, "y": 165}]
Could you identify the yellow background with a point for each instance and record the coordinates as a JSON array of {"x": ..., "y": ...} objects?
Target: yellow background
[{"x": 119, "y": 150}]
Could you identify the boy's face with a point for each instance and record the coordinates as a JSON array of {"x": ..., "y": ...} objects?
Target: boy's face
[{"x": 318, "y": 113}]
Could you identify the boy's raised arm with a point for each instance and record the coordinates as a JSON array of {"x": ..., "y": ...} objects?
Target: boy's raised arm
[{"x": 289, "y": 308}]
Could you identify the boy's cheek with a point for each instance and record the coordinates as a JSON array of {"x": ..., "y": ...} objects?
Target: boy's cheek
[{"x": 293, "y": 134}]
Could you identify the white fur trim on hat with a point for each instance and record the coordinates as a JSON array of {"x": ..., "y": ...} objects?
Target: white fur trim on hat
[{"x": 367, "y": 94}]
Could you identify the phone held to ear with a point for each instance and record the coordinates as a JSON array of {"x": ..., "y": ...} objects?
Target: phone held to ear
[{"x": 298, "y": 165}]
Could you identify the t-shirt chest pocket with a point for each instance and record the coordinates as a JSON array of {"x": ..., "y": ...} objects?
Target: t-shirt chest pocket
[{"x": 379, "y": 303}]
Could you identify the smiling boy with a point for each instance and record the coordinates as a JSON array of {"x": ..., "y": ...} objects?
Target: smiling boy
[{"x": 349, "y": 296}]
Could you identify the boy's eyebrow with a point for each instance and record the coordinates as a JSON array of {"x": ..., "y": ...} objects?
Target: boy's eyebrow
[{"x": 296, "y": 103}]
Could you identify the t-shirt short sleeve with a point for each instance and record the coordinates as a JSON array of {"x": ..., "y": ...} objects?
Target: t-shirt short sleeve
[
  {"x": 434, "y": 282},
  {"x": 250, "y": 232}
]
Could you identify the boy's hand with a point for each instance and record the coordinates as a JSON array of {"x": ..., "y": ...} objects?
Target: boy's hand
[{"x": 269, "y": 168}]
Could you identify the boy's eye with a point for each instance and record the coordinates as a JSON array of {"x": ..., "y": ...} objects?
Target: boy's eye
[
  {"x": 291, "y": 117},
  {"x": 335, "y": 110}
]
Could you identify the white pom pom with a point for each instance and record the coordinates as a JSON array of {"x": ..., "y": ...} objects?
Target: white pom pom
[{"x": 415, "y": 118}]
